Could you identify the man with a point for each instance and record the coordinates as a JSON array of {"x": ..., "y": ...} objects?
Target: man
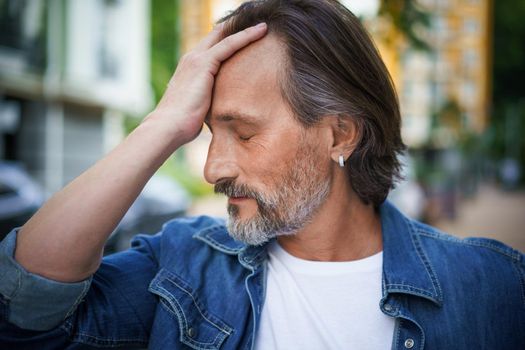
[{"x": 306, "y": 135}]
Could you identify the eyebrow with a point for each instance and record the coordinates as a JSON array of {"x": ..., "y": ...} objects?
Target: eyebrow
[{"x": 232, "y": 116}]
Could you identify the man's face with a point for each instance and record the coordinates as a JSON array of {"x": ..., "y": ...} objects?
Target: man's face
[{"x": 274, "y": 171}]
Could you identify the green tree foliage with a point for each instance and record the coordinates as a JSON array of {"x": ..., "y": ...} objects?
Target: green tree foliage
[
  {"x": 409, "y": 18},
  {"x": 165, "y": 53},
  {"x": 165, "y": 43},
  {"x": 509, "y": 50},
  {"x": 504, "y": 137}
]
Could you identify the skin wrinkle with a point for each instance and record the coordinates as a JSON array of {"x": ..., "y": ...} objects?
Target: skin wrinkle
[{"x": 261, "y": 145}]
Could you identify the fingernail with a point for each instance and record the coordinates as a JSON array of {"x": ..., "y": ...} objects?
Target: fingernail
[{"x": 261, "y": 25}]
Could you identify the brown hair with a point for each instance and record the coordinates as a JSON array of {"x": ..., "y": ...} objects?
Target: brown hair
[{"x": 334, "y": 68}]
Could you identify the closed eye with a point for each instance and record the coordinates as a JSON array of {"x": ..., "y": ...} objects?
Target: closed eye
[{"x": 245, "y": 138}]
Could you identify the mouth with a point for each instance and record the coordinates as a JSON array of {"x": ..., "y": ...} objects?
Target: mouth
[{"x": 236, "y": 200}]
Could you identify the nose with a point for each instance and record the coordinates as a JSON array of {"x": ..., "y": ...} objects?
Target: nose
[{"x": 220, "y": 163}]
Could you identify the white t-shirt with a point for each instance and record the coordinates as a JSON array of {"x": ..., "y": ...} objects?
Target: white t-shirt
[{"x": 323, "y": 305}]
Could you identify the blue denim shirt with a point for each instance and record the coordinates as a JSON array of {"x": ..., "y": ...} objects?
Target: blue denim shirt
[{"x": 193, "y": 287}]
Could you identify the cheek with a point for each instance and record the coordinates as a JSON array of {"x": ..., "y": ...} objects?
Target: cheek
[
  {"x": 273, "y": 167},
  {"x": 268, "y": 154}
]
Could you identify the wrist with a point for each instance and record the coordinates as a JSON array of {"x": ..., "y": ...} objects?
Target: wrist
[{"x": 163, "y": 129}]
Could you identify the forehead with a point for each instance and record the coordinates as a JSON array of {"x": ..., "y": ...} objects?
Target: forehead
[{"x": 248, "y": 82}]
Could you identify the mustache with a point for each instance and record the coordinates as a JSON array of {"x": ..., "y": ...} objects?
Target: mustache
[
  {"x": 266, "y": 206},
  {"x": 230, "y": 189}
]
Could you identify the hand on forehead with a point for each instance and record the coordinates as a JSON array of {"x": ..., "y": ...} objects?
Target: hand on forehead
[{"x": 249, "y": 81}]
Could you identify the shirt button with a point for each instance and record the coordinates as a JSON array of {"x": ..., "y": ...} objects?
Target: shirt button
[
  {"x": 409, "y": 343},
  {"x": 388, "y": 307},
  {"x": 191, "y": 332}
]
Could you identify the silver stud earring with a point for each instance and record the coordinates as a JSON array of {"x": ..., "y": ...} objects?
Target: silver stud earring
[{"x": 341, "y": 161}]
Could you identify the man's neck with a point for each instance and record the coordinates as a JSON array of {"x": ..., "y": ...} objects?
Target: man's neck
[{"x": 343, "y": 229}]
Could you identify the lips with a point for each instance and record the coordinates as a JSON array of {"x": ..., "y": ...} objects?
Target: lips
[{"x": 233, "y": 200}]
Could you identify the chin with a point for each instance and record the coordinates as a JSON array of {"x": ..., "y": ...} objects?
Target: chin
[{"x": 240, "y": 212}]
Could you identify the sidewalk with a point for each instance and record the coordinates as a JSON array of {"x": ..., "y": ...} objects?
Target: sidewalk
[{"x": 493, "y": 213}]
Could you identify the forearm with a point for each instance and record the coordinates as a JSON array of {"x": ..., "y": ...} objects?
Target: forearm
[{"x": 64, "y": 240}]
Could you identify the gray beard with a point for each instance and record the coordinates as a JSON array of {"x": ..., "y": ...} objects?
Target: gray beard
[{"x": 284, "y": 212}]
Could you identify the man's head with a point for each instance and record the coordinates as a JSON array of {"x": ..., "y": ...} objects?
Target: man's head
[{"x": 285, "y": 107}]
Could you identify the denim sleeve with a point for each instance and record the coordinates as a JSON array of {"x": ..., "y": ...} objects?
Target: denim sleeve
[
  {"x": 113, "y": 308},
  {"x": 34, "y": 302}
]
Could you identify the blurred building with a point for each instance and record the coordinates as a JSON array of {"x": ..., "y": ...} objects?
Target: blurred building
[
  {"x": 198, "y": 17},
  {"x": 69, "y": 72},
  {"x": 444, "y": 93},
  {"x": 450, "y": 82}
]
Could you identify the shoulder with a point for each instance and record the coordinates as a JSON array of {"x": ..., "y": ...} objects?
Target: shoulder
[
  {"x": 486, "y": 262},
  {"x": 435, "y": 238},
  {"x": 189, "y": 226},
  {"x": 184, "y": 231},
  {"x": 179, "y": 234}
]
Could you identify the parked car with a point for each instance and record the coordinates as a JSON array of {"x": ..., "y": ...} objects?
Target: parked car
[
  {"x": 20, "y": 196},
  {"x": 161, "y": 200}
]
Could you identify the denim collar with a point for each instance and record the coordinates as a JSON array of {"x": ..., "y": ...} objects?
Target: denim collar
[
  {"x": 218, "y": 238},
  {"x": 406, "y": 267}
]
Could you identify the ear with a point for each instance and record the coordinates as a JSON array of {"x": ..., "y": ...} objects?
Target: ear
[{"x": 346, "y": 137}]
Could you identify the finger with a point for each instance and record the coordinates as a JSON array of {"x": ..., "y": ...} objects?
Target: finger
[
  {"x": 233, "y": 43},
  {"x": 211, "y": 39}
]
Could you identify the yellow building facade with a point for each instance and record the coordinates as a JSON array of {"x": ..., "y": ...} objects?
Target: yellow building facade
[
  {"x": 198, "y": 17},
  {"x": 456, "y": 72}
]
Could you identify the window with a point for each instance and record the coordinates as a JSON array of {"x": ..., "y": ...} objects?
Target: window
[
  {"x": 22, "y": 32},
  {"x": 471, "y": 25},
  {"x": 470, "y": 59}
]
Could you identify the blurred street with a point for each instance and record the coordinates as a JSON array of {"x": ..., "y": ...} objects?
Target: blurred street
[{"x": 492, "y": 213}]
